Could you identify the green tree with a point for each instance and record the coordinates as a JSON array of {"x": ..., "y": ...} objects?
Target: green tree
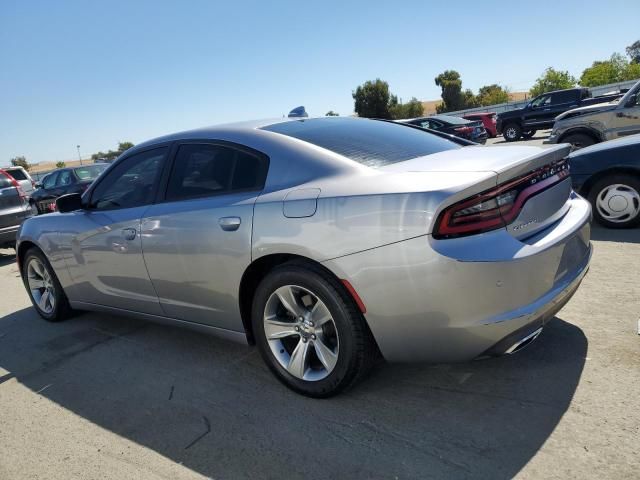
[
  {"x": 60, "y": 164},
  {"x": 452, "y": 96},
  {"x": 633, "y": 51},
  {"x": 413, "y": 108},
  {"x": 331, "y": 113},
  {"x": 492, "y": 95},
  {"x": 123, "y": 146},
  {"x": 632, "y": 72},
  {"x": 604, "y": 72},
  {"x": 21, "y": 161},
  {"x": 111, "y": 154},
  {"x": 372, "y": 99},
  {"x": 551, "y": 80}
]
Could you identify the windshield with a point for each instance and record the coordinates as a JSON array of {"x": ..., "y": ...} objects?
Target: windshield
[{"x": 370, "y": 142}]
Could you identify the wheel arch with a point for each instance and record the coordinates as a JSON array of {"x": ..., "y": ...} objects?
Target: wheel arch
[
  {"x": 583, "y": 130},
  {"x": 619, "y": 169},
  {"x": 21, "y": 251},
  {"x": 258, "y": 270}
]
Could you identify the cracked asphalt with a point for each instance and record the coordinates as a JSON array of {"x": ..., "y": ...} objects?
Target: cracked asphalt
[{"x": 101, "y": 396}]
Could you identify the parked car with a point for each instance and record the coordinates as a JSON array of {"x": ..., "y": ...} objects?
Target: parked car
[
  {"x": 324, "y": 241},
  {"x": 61, "y": 182},
  {"x": 14, "y": 209},
  {"x": 469, "y": 130},
  {"x": 608, "y": 175},
  {"x": 540, "y": 113},
  {"x": 23, "y": 178},
  {"x": 585, "y": 126},
  {"x": 488, "y": 120}
]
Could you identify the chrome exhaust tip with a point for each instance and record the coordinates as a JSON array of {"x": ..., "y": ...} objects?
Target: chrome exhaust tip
[{"x": 523, "y": 342}]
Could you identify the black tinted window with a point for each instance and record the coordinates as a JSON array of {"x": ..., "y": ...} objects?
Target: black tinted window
[
  {"x": 563, "y": 97},
  {"x": 370, "y": 142},
  {"x": 132, "y": 183},
  {"x": 17, "y": 174},
  {"x": 202, "y": 170}
]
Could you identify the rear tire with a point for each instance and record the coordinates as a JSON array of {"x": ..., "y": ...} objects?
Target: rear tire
[
  {"x": 319, "y": 344},
  {"x": 43, "y": 287},
  {"x": 511, "y": 132},
  {"x": 578, "y": 140},
  {"x": 615, "y": 201},
  {"x": 528, "y": 134}
]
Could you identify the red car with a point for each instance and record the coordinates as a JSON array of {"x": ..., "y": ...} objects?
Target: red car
[{"x": 488, "y": 120}]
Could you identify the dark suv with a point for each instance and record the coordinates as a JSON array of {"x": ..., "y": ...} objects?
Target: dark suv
[
  {"x": 540, "y": 113},
  {"x": 14, "y": 209}
]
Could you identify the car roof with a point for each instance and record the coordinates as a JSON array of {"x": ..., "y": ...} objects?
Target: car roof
[
  {"x": 611, "y": 144},
  {"x": 451, "y": 119}
]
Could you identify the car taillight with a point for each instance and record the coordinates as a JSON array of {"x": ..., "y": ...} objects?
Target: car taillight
[
  {"x": 464, "y": 129},
  {"x": 498, "y": 207}
]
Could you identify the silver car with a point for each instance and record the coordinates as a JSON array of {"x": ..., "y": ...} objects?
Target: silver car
[{"x": 326, "y": 242}]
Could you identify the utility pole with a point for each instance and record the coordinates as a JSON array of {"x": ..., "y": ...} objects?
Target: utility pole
[{"x": 79, "y": 157}]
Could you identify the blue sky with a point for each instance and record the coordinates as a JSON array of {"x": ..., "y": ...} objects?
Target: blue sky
[{"x": 95, "y": 73}]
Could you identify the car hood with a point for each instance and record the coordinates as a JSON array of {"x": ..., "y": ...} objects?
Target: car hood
[
  {"x": 597, "y": 108},
  {"x": 506, "y": 162}
]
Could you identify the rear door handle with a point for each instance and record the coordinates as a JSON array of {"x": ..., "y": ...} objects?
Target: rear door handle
[
  {"x": 229, "y": 224},
  {"x": 129, "y": 233}
]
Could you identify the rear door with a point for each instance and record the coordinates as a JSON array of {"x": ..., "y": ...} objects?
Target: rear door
[{"x": 197, "y": 241}]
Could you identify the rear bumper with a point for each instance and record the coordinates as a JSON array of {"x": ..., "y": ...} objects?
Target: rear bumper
[{"x": 456, "y": 300}]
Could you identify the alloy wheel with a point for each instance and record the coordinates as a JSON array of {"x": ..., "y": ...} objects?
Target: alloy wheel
[
  {"x": 618, "y": 203},
  {"x": 510, "y": 132},
  {"x": 301, "y": 333},
  {"x": 41, "y": 286}
]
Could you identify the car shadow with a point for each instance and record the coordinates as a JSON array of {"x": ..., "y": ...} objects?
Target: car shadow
[
  {"x": 7, "y": 257},
  {"x": 631, "y": 235},
  {"x": 215, "y": 408}
]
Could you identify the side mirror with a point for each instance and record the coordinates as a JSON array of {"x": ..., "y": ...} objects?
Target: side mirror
[
  {"x": 632, "y": 101},
  {"x": 69, "y": 203},
  {"x": 38, "y": 185}
]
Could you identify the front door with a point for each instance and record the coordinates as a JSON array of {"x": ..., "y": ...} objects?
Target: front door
[
  {"x": 626, "y": 119},
  {"x": 197, "y": 242},
  {"x": 103, "y": 244}
]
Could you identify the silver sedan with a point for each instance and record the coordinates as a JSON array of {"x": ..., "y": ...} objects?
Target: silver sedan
[{"x": 328, "y": 243}]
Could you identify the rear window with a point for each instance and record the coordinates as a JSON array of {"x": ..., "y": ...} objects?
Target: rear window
[
  {"x": 17, "y": 174},
  {"x": 89, "y": 173},
  {"x": 372, "y": 143}
]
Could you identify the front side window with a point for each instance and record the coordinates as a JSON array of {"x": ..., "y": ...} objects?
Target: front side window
[
  {"x": 50, "y": 180},
  {"x": 132, "y": 183},
  {"x": 541, "y": 101},
  {"x": 202, "y": 170}
]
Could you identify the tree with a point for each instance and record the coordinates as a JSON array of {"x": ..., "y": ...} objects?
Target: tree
[
  {"x": 21, "y": 161},
  {"x": 452, "y": 96},
  {"x": 552, "y": 79},
  {"x": 492, "y": 95},
  {"x": 331, "y": 113},
  {"x": 633, "y": 51},
  {"x": 60, "y": 164},
  {"x": 111, "y": 154},
  {"x": 616, "y": 69},
  {"x": 413, "y": 108},
  {"x": 372, "y": 99}
]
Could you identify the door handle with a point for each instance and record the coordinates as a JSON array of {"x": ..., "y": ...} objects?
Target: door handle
[
  {"x": 129, "y": 233},
  {"x": 229, "y": 224}
]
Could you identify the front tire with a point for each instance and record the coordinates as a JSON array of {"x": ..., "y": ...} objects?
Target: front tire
[
  {"x": 512, "y": 132},
  {"x": 578, "y": 140},
  {"x": 43, "y": 287},
  {"x": 309, "y": 331},
  {"x": 615, "y": 201}
]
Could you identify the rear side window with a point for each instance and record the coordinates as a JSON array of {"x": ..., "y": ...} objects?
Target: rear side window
[
  {"x": 372, "y": 143},
  {"x": 202, "y": 170},
  {"x": 17, "y": 174},
  {"x": 563, "y": 97}
]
